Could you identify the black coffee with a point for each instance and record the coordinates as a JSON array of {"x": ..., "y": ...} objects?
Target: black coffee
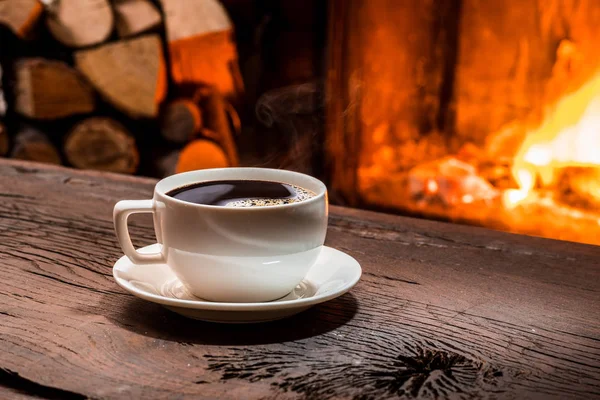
[{"x": 241, "y": 193}]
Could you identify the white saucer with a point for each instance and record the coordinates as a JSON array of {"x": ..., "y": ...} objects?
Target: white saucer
[{"x": 333, "y": 274}]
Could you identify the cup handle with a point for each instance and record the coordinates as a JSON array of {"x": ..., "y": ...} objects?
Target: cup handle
[{"x": 123, "y": 209}]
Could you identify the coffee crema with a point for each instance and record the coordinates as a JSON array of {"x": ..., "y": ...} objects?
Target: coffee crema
[{"x": 241, "y": 193}]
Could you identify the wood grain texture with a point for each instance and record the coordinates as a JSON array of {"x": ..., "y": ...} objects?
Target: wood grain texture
[
  {"x": 135, "y": 16},
  {"x": 31, "y": 144},
  {"x": 47, "y": 89},
  {"x": 201, "y": 45},
  {"x": 189, "y": 18},
  {"x": 80, "y": 23},
  {"x": 20, "y": 15},
  {"x": 101, "y": 144},
  {"x": 180, "y": 120},
  {"x": 442, "y": 311},
  {"x": 130, "y": 73}
]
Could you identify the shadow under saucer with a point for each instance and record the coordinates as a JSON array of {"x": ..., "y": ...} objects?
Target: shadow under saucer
[{"x": 152, "y": 320}]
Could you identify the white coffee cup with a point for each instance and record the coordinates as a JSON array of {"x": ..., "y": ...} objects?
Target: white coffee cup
[{"x": 232, "y": 254}]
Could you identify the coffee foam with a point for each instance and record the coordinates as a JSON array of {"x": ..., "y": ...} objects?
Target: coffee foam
[{"x": 301, "y": 194}]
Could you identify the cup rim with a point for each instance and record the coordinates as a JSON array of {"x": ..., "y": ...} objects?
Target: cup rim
[{"x": 164, "y": 197}]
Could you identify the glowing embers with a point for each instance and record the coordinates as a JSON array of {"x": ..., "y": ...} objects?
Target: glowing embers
[
  {"x": 448, "y": 181},
  {"x": 543, "y": 181}
]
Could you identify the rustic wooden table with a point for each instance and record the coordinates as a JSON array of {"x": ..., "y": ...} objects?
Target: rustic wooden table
[{"x": 442, "y": 311}]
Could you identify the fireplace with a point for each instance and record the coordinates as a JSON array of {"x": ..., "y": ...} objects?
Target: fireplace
[{"x": 473, "y": 111}]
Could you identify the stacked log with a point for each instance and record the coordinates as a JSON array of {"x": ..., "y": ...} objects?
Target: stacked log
[
  {"x": 205, "y": 124},
  {"x": 101, "y": 144},
  {"x": 130, "y": 74},
  {"x": 47, "y": 89},
  {"x": 20, "y": 15},
  {"x": 95, "y": 90},
  {"x": 80, "y": 23},
  {"x": 201, "y": 154},
  {"x": 180, "y": 121},
  {"x": 135, "y": 16},
  {"x": 31, "y": 144},
  {"x": 201, "y": 46},
  {"x": 198, "y": 154}
]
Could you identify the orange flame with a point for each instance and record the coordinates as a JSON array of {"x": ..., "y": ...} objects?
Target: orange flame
[{"x": 570, "y": 136}]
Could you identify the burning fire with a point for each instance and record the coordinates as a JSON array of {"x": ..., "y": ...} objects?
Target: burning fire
[
  {"x": 569, "y": 137},
  {"x": 550, "y": 187}
]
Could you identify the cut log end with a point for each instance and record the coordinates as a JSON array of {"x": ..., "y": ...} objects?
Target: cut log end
[
  {"x": 180, "y": 121},
  {"x": 20, "y": 16},
  {"x": 80, "y": 23},
  {"x": 210, "y": 59},
  {"x": 201, "y": 45},
  {"x": 31, "y": 144},
  {"x": 130, "y": 74},
  {"x": 101, "y": 144},
  {"x": 135, "y": 16},
  {"x": 47, "y": 89},
  {"x": 201, "y": 154}
]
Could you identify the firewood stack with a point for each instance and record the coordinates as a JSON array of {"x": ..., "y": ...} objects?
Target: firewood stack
[{"x": 107, "y": 84}]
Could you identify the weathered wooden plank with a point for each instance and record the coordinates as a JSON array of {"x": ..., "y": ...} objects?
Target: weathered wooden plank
[{"x": 442, "y": 310}]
